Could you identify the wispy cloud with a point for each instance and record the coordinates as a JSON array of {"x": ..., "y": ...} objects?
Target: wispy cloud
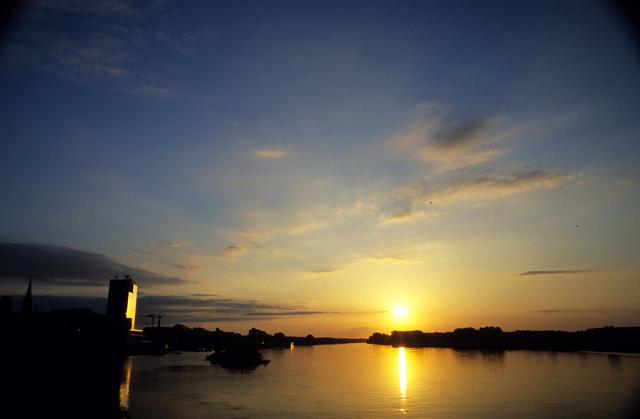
[
  {"x": 187, "y": 268},
  {"x": 302, "y": 228},
  {"x": 560, "y": 272},
  {"x": 326, "y": 270},
  {"x": 383, "y": 258},
  {"x": 406, "y": 216},
  {"x": 449, "y": 143},
  {"x": 232, "y": 252},
  {"x": 570, "y": 311},
  {"x": 491, "y": 187},
  {"x": 62, "y": 265},
  {"x": 176, "y": 245},
  {"x": 270, "y": 153},
  {"x": 254, "y": 237},
  {"x": 417, "y": 201},
  {"x": 357, "y": 208},
  {"x": 103, "y": 53}
]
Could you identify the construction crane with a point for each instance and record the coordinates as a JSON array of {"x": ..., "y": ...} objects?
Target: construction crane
[{"x": 154, "y": 316}]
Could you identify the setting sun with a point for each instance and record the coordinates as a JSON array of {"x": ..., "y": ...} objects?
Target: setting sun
[{"x": 400, "y": 312}]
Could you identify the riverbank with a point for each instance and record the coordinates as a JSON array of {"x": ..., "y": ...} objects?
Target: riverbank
[{"x": 605, "y": 339}]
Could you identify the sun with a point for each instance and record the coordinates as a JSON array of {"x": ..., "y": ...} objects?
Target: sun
[{"x": 400, "y": 312}]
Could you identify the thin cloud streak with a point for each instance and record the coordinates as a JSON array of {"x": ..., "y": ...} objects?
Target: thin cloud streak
[
  {"x": 491, "y": 187},
  {"x": 270, "y": 153},
  {"x": 559, "y": 272},
  {"x": 327, "y": 270},
  {"x": 193, "y": 310},
  {"x": 415, "y": 201},
  {"x": 176, "y": 245},
  {"x": 570, "y": 311}
]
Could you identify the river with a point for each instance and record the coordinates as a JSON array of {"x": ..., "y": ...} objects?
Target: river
[{"x": 360, "y": 380}]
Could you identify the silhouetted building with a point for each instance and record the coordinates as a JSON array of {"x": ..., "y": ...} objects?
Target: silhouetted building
[
  {"x": 121, "y": 303},
  {"x": 27, "y": 302},
  {"x": 5, "y": 304}
]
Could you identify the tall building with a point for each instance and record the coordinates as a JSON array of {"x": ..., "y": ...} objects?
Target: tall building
[{"x": 121, "y": 303}]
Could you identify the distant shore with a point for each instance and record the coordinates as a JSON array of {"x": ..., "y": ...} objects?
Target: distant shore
[{"x": 606, "y": 339}]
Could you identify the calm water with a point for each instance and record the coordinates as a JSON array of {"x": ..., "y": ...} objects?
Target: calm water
[{"x": 360, "y": 380}]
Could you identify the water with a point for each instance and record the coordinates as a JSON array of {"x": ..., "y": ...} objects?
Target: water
[{"x": 360, "y": 380}]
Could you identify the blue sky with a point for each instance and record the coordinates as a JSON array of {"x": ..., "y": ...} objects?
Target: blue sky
[{"x": 333, "y": 158}]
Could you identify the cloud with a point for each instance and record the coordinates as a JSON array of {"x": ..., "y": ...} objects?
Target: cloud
[
  {"x": 449, "y": 143},
  {"x": 416, "y": 201},
  {"x": 270, "y": 153},
  {"x": 570, "y": 311},
  {"x": 176, "y": 245},
  {"x": 357, "y": 208},
  {"x": 326, "y": 270},
  {"x": 377, "y": 257},
  {"x": 187, "y": 268},
  {"x": 222, "y": 309},
  {"x": 63, "y": 265},
  {"x": 253, "y": 236},
  {"x": 192, "y": 309},
  {"x": 232, "y": 252},
  {"x": 559, "y": 272},
  {"x": 405, "y": 216},
  {"x": 302, "y": 228},
  {"x": 79, "y": 41},
  {"x": 490, "y": 187}
]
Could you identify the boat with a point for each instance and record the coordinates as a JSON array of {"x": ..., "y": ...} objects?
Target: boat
[{"x": 237, "y": 358}]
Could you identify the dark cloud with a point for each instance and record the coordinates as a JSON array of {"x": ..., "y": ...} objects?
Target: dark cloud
[
  {"x": 559, "y": 272},
  {"x": 451, "y": 143},
  {"x": 186, "y": 309},
  {"x": 175, "y": 302},
  {"x": 62, "y": 265},
  {"x": 454, "y": 134},
  {"x": 287, "y": 313},
  {"x": 232, "y": 252}
]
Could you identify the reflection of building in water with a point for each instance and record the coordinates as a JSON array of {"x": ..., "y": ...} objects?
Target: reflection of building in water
[
  {"x": 121, "y": 303},
  {"x": 125, "y": 383}
]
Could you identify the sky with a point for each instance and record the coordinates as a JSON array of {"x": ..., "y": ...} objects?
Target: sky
[{"x": 308, "y": 167}]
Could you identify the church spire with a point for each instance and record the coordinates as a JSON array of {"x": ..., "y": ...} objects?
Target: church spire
[{"x": 27, "y": 302}]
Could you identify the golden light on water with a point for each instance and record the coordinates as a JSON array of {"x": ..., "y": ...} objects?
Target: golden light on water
[
  {"x": 402, "y": 373},
  {"x": 125, "y": 384}
]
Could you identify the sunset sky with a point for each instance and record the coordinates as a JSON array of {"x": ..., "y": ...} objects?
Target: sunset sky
[{"x": 308, "y": 167}]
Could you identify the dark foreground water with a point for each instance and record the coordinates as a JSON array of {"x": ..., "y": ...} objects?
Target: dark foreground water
[{"x": 360, "y": 380}]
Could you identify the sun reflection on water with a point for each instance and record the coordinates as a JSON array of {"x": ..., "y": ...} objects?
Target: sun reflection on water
[{"x": 402, "y": 373}]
